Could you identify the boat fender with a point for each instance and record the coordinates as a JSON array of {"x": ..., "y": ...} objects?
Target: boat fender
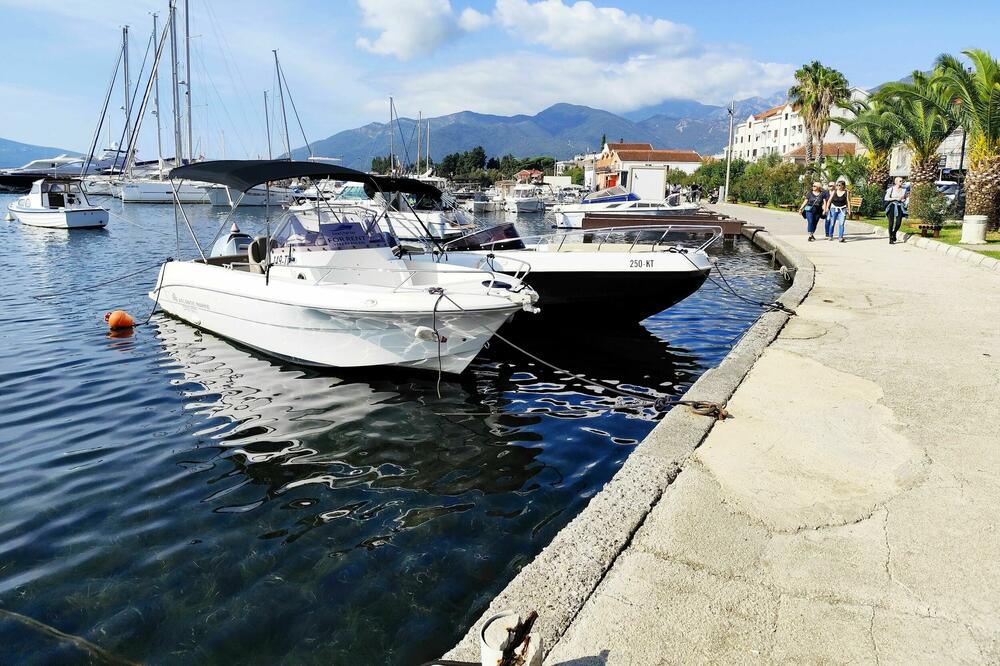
[
  {"x": 428, "y": 334},
  {"x": 119, "y": 319},
  {"x": 525, "y": 299},
  {"x": 9, "y": 217}
]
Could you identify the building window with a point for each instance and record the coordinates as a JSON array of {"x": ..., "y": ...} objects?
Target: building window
[
  {"x": 786, "y": 131},
  {"x": 755, "y": 152}
]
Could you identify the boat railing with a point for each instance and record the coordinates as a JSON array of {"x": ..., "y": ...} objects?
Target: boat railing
[{"x": 604, "y": 236}]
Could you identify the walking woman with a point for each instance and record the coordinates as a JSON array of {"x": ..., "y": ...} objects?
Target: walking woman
[
  {"x": 896, "y": 197},
  {"x": 838, "y": 207},
  {"x": 811, "y": 208},
  {"x": 827, "y": 193}
]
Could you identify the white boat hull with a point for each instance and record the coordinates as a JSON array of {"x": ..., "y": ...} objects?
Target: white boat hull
[
  {"x": 161, "y": 192},
  {"x": 324, "y": 325},
  {"x": 61, "y": 218},
  {"x": 219, "y": 195},
  {"x": 524, "y": 205}
]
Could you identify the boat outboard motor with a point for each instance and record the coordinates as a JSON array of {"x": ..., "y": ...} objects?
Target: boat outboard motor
[{"x": 236, "y": 243}]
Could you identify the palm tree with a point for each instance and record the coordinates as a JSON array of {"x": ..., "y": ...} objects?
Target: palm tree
[
  {"x": 976, "y": 93},
  {"x": 923, "y": 115},
  {"x": 871, "y": 124},
  {"x": 817, "y": 89}
]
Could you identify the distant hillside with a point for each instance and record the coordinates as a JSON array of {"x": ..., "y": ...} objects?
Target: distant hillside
[
  {"x": 562, "y": 130},
  {"x": 15, "y": 153}
]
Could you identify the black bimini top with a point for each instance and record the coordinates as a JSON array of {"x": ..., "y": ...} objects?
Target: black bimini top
[
  {"x": 404, "y": 185},
  {"x": 242, "y": 175}
]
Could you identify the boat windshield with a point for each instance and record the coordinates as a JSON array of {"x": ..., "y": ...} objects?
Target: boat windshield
[
  {"x": 616, "y": 193},
  {"x": 352, "y": 192},
  {"x": 307, "y": 230}
]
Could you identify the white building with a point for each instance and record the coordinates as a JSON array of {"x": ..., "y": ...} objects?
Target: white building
[
  {"x": 619, "y": 163},
  {"x": 951, "y": 153},
  {"x": 781, "y": 130}
]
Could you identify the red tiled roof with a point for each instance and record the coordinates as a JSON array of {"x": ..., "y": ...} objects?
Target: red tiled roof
[
  {"x": 630, "y": 146},
  {"x": 835, "y": 148},
  {"x": 658, "y": 155}
]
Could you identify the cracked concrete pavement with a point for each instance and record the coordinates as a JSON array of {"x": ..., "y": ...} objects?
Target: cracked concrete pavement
[{"x": 849, "y": 512}]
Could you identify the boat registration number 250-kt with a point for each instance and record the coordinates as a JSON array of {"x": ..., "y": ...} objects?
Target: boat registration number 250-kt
[{"x": 640, "y": 263}]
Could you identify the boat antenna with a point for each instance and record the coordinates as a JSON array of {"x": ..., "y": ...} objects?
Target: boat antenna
[
  {"x": 267, "y": 126},
  {"x": 187, "y": 77},
  {"x": 281, "y": 75},
  {"x": 104, "y": 112},
  {"x": 281, "y": 94},
  {"x": 391, "y": 160},
  {"x": 156, "y": 108},
  {"x": 178, "y": 146}
]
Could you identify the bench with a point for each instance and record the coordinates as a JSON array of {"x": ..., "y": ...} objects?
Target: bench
[
  {"x": 791, "y": 208},
  {"x": 855, "y": 207},
  {"x": 930, "y": 230},
  {"x": 759, "y": 204}
]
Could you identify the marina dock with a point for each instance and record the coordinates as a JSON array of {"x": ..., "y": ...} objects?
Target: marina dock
[{"x": 846, "y": 513}]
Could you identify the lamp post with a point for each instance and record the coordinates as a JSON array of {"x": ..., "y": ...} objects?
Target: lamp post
[{"x": 729, "y": 150}]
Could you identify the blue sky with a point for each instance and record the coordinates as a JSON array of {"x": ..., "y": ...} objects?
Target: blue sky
[{"x": 344, "y": 58}]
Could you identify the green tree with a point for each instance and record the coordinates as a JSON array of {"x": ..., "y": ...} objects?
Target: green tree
[
  {"x": 870, "y": 122},
  {"x": 923, "y": 115},
  {"x": 977, "y": 97},
  {"x": 576, "y": 174},
  {"x": 380, "y": 164},
  {"x": 817, "y": 89}
]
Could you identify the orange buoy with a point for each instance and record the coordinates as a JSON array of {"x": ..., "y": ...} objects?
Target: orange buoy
[{"x": 119, "y": 319}]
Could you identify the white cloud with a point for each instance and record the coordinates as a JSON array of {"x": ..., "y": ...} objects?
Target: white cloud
[
  {"x": 585, "y": 29},
  {"x": 471, "y": 20},
  {"x": 407, "y": 29},
  {"x": 498, "y": 85}
]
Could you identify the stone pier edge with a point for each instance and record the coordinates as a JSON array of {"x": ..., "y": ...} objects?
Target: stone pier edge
[{"x": 560, "y": 579}]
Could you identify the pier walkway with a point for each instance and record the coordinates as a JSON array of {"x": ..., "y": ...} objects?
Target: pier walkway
[{"x": 850, "y": 512}]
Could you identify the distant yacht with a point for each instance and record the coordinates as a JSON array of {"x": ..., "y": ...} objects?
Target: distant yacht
[
  {"x": 22, "y": 178},
  {"x": 524, "y": 198},
  {"x": 618, "y": 201}
]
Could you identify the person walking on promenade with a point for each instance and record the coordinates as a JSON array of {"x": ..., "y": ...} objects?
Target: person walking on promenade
[
  {"x": 896, "y": 197},
  {"x": 827, "y": 193},
  {"x": 838, "y": 207},
  {"x": 812, "y": 207}
]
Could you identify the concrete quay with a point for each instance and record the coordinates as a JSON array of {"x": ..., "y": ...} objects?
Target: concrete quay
[{"x": 848, "y": 513}]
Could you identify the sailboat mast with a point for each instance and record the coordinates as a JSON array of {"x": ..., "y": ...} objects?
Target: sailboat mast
[
  {"x": 156, "y": 108},
  {"x": 127, "y": 108},
  {"x": 428, "y": 143},
  {"x": 187, "y": 77},
  {"x": 392, "y": 161},
  {"x": 419, "y": 114},
  {"x": 178, "y": 145},
  {"x": 267, "y": 126},
  {"x": 281, "y": 95}
]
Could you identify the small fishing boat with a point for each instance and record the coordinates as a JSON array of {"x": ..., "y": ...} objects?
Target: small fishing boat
[
  {"x": 608, "y": 277},
  {"x": 330, "y": 288},
  {"x": 618, "y": 201},
  {"x": 57, "y": 203},
  {"x": 524, "y": 198}
]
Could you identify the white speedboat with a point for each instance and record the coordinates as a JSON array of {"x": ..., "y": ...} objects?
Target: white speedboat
[
  {"x": 618, "y": 201},
  {"x": 220, "y": 195},
  {"x": 607, "y": 278},
  {"x": 58, "y": 203},
  {"x": 21, "y": 178},
  {"x": 413, "y": 209},
  {"x": 328, "y": 290},
  {"x": 524, "y": 198}
]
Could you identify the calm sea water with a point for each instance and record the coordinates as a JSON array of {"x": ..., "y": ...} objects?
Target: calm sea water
[{"x": 172, "y": 498}]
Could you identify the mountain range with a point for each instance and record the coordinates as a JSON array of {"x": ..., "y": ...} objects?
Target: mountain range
[
  {"x": 562, "y": 130},
  {"x": 15, "y": 153}
]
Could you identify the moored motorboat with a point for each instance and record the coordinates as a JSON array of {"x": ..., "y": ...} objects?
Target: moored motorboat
[
  {"x": 605, "y": 277},
  {"x": 328, "y": 289},
  {"x": 524, "y": 198},
  {"x": 618, "y": 201},
  {"x": 58, "y": 203}
]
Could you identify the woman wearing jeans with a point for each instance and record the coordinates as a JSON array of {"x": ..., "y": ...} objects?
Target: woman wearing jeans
[
  {"x": 895, "y": 206},
  {"x": 838, "y": 207},
  {"x": 811, "y": 208}
]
